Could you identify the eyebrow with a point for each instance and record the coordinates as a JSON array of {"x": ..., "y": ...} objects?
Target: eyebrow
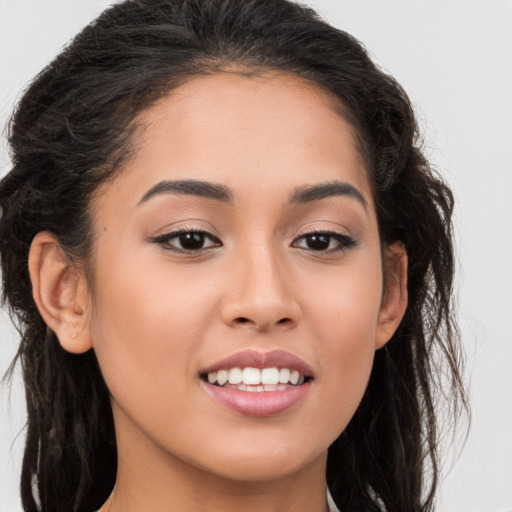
[
  {"x": 310, "y": 193},
  {"x": 300, "y": 195},
  {"x": 191, "y": 188}
]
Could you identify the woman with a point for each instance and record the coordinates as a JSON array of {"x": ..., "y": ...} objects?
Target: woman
[{"x": 232, "y": 266}]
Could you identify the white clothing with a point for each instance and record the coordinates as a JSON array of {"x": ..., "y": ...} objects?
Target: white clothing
[{"x": 330, "y": 502}]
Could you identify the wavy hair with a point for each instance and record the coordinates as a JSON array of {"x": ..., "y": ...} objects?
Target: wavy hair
[{"x": 76, "y": 124}]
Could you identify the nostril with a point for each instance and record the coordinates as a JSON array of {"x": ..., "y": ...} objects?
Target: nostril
[{"x": 262, "y": 322}]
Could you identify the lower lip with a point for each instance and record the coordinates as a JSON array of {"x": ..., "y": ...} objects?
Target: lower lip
[{"x": 258, "y": 403}]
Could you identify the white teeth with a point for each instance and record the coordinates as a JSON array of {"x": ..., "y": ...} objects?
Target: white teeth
[
  {"x": 258, "y": 389},
  {"x": 235, "y": 376},
  {"x": 222, "y": 377},
  {"x": 294, "y": 377},
  {"x": 251, "y": 376},
  {"x": 284, "y": 376},
  {"x": 256, "y": 380},
  {"x": 269, "y": 376}
]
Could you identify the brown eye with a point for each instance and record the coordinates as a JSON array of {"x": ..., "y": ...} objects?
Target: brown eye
[
  {"x": 192, "y": 241},
  {"x": 318, "y": 242},
  {"x": 325, "y": 242},
  {"x": 187, "y": 241}
]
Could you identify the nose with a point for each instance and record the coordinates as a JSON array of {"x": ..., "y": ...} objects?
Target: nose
[{"x": 260, "y": 293}]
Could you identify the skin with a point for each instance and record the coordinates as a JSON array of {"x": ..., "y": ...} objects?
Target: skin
[{"x": 156, "y": 316}]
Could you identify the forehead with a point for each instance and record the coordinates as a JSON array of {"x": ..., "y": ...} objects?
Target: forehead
[{"x": 271, "y": 130}]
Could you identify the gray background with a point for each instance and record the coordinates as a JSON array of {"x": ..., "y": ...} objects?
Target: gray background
[{"x": 454, "y": 59}]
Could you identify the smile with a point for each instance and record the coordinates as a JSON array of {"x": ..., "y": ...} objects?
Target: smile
[
  {"x": 256, "y": 380},
  {"x": 258, "y": 384}
]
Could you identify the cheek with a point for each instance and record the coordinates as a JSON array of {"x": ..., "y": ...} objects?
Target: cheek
[
  {"x": 344, "y": 313},
  {"x": 146, "y": 325},
  {"x": 147, "y": 331}
]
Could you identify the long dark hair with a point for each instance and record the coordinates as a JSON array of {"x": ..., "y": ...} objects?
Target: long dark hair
[{"x": 71, "y": 131}]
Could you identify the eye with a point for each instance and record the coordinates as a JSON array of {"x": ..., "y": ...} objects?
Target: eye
[
  {"x": 324, "y": 242},
  {"x": 187, "y": 241}
]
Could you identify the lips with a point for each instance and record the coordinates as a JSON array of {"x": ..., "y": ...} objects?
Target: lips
[{"x": 258, "y": 384}]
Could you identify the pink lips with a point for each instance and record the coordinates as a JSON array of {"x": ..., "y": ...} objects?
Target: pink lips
[{"x": 267, "y": 403}]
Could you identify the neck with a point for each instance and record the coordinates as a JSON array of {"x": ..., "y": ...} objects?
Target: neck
[{"x": 150, "y": 479}]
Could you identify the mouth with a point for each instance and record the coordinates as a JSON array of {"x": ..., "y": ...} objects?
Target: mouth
[
  {"x": 258, "y": 384},
  {"x": 255, "y": 379}
]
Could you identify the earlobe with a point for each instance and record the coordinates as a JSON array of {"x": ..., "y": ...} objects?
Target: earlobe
[
  {"x": 60, "y": 293},
  {"x": 394, "y": 299}
]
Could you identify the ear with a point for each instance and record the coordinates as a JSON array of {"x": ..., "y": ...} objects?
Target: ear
[
  {"x": 394, "y": 297},
  {"x": 60, "y": 293}
]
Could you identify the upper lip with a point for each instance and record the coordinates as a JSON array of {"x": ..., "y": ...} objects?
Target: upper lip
[{"x": 255, "y": 359}]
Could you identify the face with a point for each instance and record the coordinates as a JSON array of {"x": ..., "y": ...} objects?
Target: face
[{"x": 240, "y": 242}]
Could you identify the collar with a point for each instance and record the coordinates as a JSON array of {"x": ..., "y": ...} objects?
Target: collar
[{"x": 330, "y": 503}]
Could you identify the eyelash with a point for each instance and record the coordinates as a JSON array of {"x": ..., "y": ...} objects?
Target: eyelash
[
  {"x": 345, "y": 242},
  {"x": 165, "y": 239}
]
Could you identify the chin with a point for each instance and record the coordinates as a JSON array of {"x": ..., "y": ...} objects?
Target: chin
[
  {"x": 259, "y": 471},
  {"x": 260, "y": 465}
]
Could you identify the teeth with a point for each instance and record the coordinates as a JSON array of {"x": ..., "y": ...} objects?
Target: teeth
[
  {"x": 256, "y": 380},
  {"x": 284, "y": 375},
  {"x": 222, "y": 377},
  {"x": 251, "y": 376},
  {"x": 257, "y": 389},
  {"x": 235, "y": 376},
  {"x": 269, "y": 376}
]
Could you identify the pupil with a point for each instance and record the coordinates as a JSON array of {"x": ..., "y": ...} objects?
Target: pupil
[
  {"x": 192, "y": 240},
  {"x": 318, "y": 242}
]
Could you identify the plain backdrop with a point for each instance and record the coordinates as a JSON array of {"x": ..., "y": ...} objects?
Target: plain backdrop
[{"x": 454, "y": 58}]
